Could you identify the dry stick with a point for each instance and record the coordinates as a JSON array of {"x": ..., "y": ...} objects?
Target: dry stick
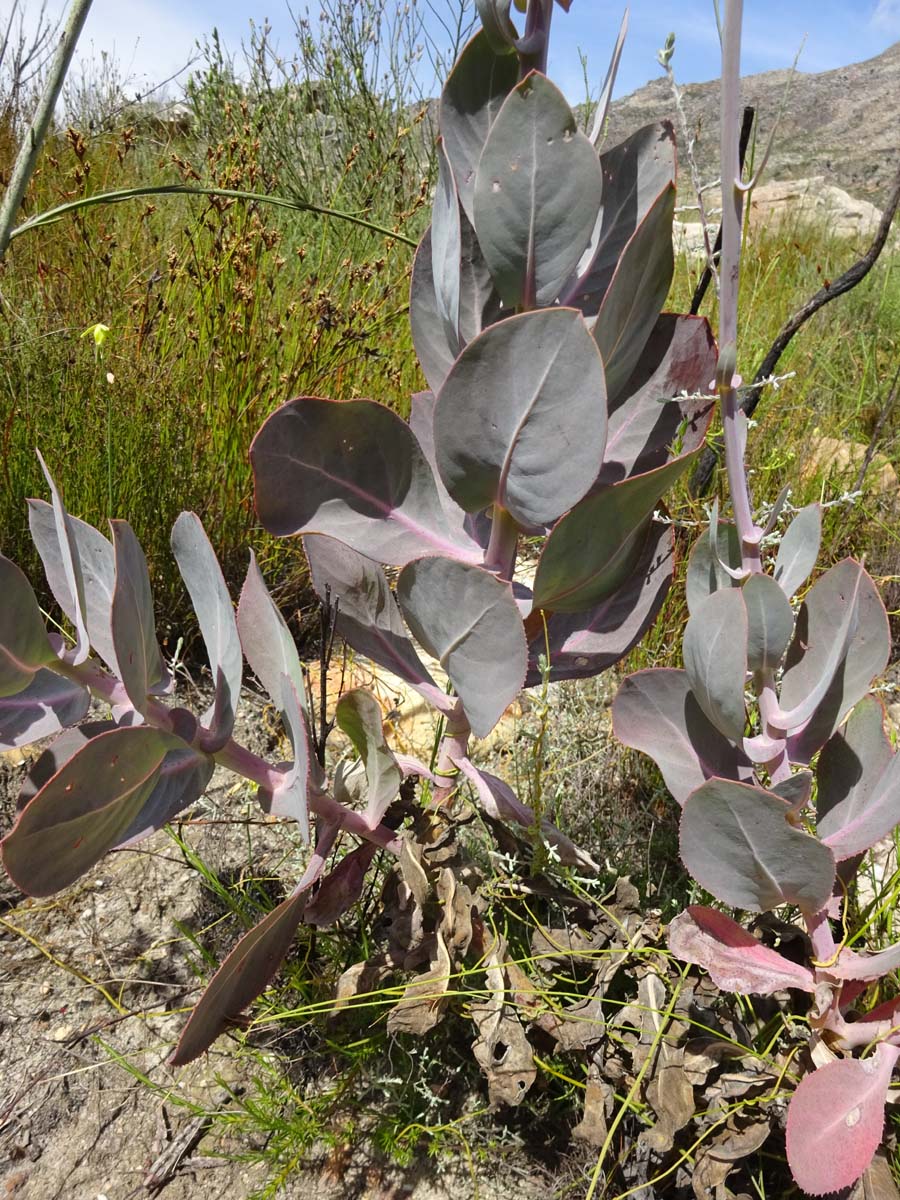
[
  {"x": 706, "y": 277},
  {"x": 702, "y": 476},
  {"x": 36, "y": 132}
]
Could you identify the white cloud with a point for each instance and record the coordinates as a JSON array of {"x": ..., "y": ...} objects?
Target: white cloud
[{"x": 887, "y": 16}]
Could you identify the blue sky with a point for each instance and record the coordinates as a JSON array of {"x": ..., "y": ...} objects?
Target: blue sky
[{"x": 153, "y": 38}]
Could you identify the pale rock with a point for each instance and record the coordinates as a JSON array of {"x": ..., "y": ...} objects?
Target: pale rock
[{"x": 827, "y": 456}]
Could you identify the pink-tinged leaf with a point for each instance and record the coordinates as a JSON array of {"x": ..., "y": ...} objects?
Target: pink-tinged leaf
[
  {"x": 647, "y": 417},
  {"x": 799, "y": 549},
  {"x": 851, "y": 965},
  {"x": 265, "y": 638},
  {"x": 858, "y": 800},
  {"x": 183, "y": 778},
  {"x": 584, "y": 644},
  {"x": 341, "y": 888},
  {"x": 24, "y": 645},
  {"x": 836, "y": 1121},
  {"x": 368, "y": 618},
  {"x": 49, "y": 703},
  {"x": 446, "y": 246},
  {"x": 354, "y": 471},
  {"x": 737, "y": 843},
  {"x": 62, "y": 564},
  {"x": 715, "y": 659},
  {"x": 251, "y": 965},
  {"x": 499, "y": 801},
  {"x": 85, "y": 808},
  {"x": 656, "y": 712},
  {"x": 602, "y": 110},
  {"x": 209, "y": 595},
  {"x": 358, "y": 714},
  {"x": 421, "y": 422},
  {"x": 636, "y": 293},
  {"x": 715, "y": 562},
  {"x": 289, "y": 799},
  {"x": 141, "y": 664},
  {"x": 97, "y": 565},
  {"x": 735, "y": 960},
  {"x": 865, "y": 658},
  {"x": 544, "y": 375},
  {"x": 594, "y": 548},
  {"x": 469, "y": 621}
]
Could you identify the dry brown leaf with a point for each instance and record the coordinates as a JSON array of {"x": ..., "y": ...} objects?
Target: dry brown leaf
[
  {"x": 877, "y": 1183},
  {"x": 422, "y": 1005},
  {"x": 598, "y": 1096},
  {"x": 456, "y": 916},
  {"x": 671, "y": 1097},
  {"x": 501, "y": 1049}
]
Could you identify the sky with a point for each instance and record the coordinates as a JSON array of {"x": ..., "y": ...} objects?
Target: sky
[{"x": 152, "y": 39}]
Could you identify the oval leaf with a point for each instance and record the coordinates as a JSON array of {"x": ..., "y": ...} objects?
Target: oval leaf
[
  {"x": 799, "y": 549},
  {"x": 738, "y": 844},
  {"x": 446, "y": 247},
  {"x": 469, "y": 621},
  {"x": 734, "y": 959},
  {"x": 859, "y": 784},
  {"x": 537, "y": 194},
  {"x": 841, "y": 608},
  {"x": 85, "y": 808},
  {"x": 770, "y": 622},
  {"x": 836, "y": 1120},
  {"x": 584, "y": 644},
  {"x": 472, "y": 97},
  {"x": 265, "y": 638},
  {"x": 715, "y": 658},
  {"x": 49, "y": 703},
  {"x": 710, "y": 566},
  {"x": 358, "y": 714},
  {"x": 59, "y": 553},
  {"x": 656, "y": 712},
  {"x": 537, "y": 447},
  {"x": 595, "y": 547},
  {"x": 352, "y": 470},
  {"x": 208, "y": 591}
]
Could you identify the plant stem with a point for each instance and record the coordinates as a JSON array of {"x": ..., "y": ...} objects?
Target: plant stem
[
  {"x": 178, "y": 189},
  {"x": 26, "y": 160},
  {"x": 500, "y": 556}
]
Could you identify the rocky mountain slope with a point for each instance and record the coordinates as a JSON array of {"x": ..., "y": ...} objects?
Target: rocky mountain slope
[{"x": 840, "y": 124}]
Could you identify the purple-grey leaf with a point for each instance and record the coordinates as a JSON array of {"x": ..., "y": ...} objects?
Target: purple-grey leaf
[
  {"x": 500, "y": 802},
  {"x": 536, "y": 448},
  {"x": 141, "y": 664},
  {"x": 859, "y": 783},
  {"x": 770, "y": 622},
  {"x": 469, "y": 621},
  {"x": 707, "y": 571},
  {"x": 656, "y": 712},
  {"x": 795, "y": 790},
  {"x": 715, "y": 658},
  {"x": 358, "y": 714},
  {"x": 421, "y": 422},
  {"x": 265, "y": 638},
  {"x": 208, "y": 591},
  {"x": 472, "y": 97},
  {"x": 584, "y": 644},
  {"x": 538, "y": 187},
  {"x": 24, "y": 644},
  {"x": 635, "y": 173},
  {"x": 354, "y": 471},
  {"x": 289, "y": 799},
  {"x": 435, "y": 349},
  {"x": 49, "y": 703},
  {"x": 446, "y": 247},
  {"x": 735, "y": 960},
  {"x": 251, "y": 965},
  {"x": 183, "y": 778},
  {"x": 737, "y": 843},
  {"x": 821, "y": 622},
  {"x": 636, "y": 293},
  {"x": 57, "y": 754},
  {"x": 59, "y": 555},
  {"x": 596, "y": 546},
  {"x": 85, "y": 808},
  {"x": 648, "y": 417},
  {"x": 341, "y": 888},
  {"x": 498, "y": 28},
  {"x": 97, "y": 562},
  {"x": 799, "y": 549},
  {"x": 602, "y": 110},
  {"x": 368, "y": 618}
]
